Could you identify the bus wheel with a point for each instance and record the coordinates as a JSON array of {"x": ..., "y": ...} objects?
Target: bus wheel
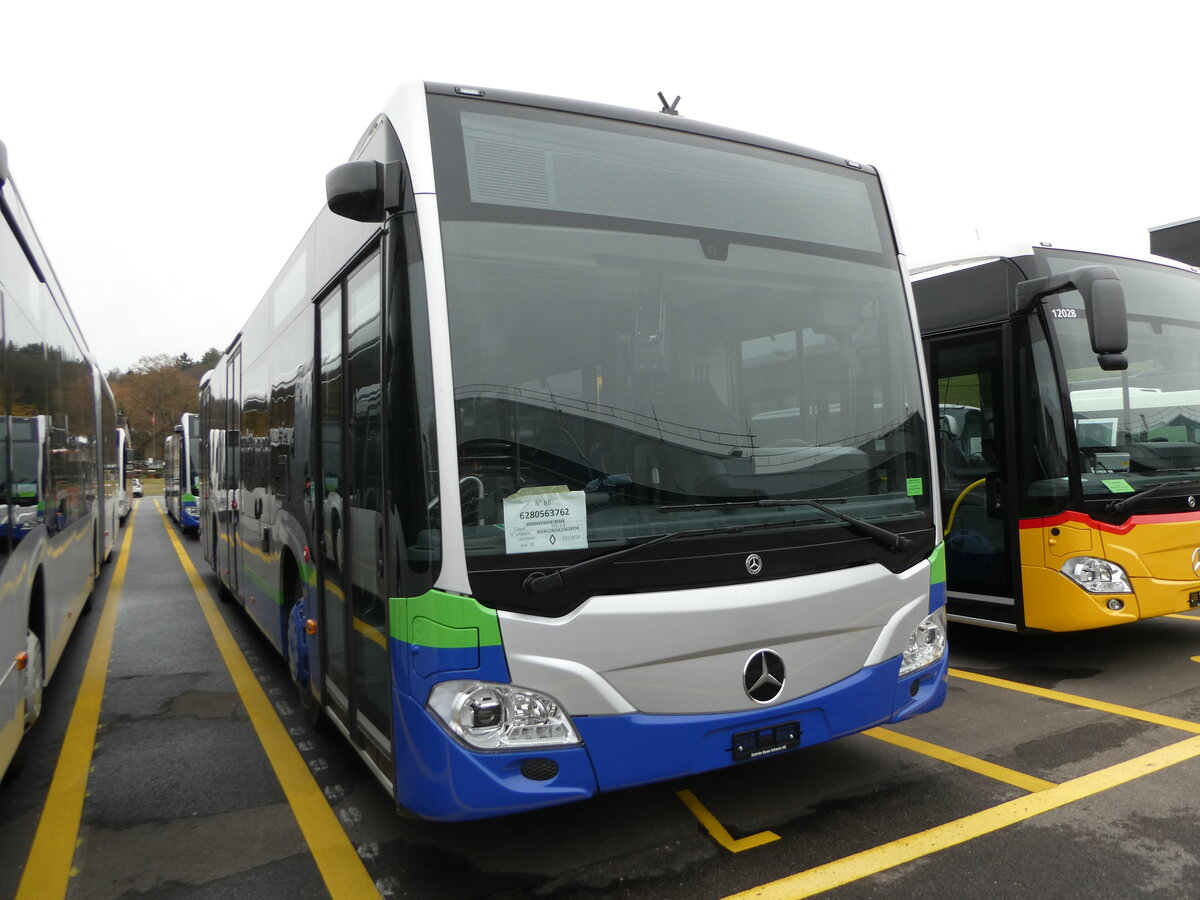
[
  {"x": 34, "y": 676},
  {"x": 298, "y": 661}
]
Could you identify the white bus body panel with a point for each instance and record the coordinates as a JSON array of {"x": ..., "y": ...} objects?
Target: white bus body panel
[{"x": 637, "y": 653}]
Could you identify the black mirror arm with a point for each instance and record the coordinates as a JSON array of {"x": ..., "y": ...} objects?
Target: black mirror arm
[
  {"x": 1104, "y": 305},
  {"x": 1030, "y": 292}
]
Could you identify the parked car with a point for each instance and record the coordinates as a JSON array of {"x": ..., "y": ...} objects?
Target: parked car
[{"x": 137, "y": 487}]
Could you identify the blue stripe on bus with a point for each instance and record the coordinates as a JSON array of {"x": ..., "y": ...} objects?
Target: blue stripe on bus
[
  {"x": 937, "y": 596},
  {"x": 439, "y": 778},
  {"x": 638, "y": 749},
  {"x": 422, "y": 667}
]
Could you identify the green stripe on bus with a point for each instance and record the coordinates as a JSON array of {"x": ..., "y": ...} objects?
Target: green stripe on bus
[
  {"x": 445, "y": 621},
  {"x": 937, "y": 565},
  {"x": 268, "y": 588}
]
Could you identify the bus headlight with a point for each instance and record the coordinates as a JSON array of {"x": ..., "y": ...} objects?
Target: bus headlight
[
  {"x": 926, "y": 644},
  {"x": 500, "y": 716},
  {"x": 1097, "y": 576}
]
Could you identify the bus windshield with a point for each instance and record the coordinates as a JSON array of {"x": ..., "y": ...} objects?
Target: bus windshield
[
  {"x": 644, "y": 318},
  {"x": 1139, "y": 427}
]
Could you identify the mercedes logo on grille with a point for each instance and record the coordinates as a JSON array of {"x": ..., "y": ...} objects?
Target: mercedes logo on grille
[
  {"x": 754, "y": 564},
  {"x": 1196, "y": 560},
  {"x": 763, "y": 676}
]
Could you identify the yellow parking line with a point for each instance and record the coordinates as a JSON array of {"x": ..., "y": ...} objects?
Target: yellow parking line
[
  {"x": 343, "y": 870},
  {"x": 962, "y": 760},
  {"x": 1074, "y": 699},
  {"x": 906, "y": 849},
  {"x": 718, "y": 831},
  {"x": 1190, "y": 618},
  {"x": 48, "y": 867}
]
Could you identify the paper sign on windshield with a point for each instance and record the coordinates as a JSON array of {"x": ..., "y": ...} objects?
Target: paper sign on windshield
[{"x": 546, "y": 518}]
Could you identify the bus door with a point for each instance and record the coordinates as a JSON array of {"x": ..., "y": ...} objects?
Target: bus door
[
  {"x": 230, "y": 547},
  {"x": 353, "y": 598},
  {"x": 969, "y": 390}
]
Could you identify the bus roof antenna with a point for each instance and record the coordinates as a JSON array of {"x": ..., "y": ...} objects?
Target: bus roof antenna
[{"x": 669, "y": 109}]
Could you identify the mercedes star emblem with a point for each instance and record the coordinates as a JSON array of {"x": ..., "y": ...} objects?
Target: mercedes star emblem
[{"x": 763, "y": 676}]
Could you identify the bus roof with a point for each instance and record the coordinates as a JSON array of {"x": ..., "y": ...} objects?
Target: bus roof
[{"x": 920, "y": 269}]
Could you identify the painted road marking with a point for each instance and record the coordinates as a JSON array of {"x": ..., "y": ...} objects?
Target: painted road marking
[
  {"x": 945, "y": 754},
  {"x": 49, "y": 865},
  {"x": 962, "y": 760},
  {"x": 718, "y": 831},
  {"x": 887, "y": 856},
  {"x": 339, "y": 863},
  {"x": 1126, "y": 711}
]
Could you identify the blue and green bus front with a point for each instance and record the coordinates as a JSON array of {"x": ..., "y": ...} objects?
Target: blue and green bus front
[{"x": 670, "y": 487}]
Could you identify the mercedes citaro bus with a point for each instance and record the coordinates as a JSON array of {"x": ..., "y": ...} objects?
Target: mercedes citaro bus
[{"x": 578, "y": 447}]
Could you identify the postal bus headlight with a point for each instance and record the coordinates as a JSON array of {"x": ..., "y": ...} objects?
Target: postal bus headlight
[
  {"x": 1097, "y": 576},
  {"x": 490, "y": 716},
  {"x": 926, "y": 644}
]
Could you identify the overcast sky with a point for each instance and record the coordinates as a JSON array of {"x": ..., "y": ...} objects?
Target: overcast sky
[{"x": 172, "y": 154}]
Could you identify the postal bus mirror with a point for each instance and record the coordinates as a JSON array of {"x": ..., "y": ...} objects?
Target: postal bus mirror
[
  {"x": 1103, "y": 303},
  {"x": 365, "y": 190},
  {"x": 1108, "y": 326}
]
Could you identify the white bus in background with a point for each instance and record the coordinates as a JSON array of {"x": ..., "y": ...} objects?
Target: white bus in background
[
  {"x": 181, "y": 473},
  {"x": 58, "y": 519},
  {"x": 124, "y": 485}
]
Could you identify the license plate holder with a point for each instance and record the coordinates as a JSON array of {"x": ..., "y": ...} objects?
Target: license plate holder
[
  {"x": 765, "y": 741},
  {"x": 1194, "y": 599}
]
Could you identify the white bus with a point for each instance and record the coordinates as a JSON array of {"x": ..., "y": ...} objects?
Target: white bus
[
  {"x": 181, "y": 473},
  {"x": 579, "y": 447},
  {"x": 120, "y": 466},
  {"x": 57, "y": 523}
]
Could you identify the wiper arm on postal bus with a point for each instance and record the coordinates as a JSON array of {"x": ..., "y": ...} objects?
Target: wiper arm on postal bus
[
  {"x": 1118, "y": 506},
  {"x": 889, "y": 539}
]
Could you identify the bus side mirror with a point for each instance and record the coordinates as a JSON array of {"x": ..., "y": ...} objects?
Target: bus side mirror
[
  {"x": 1103, "y": 303},
  {"x": 1108, "y": 325},
  {"x": 365, "y": 190}
]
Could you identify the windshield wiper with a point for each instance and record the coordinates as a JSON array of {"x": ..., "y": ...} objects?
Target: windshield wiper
[
  {"x": 887, "y": 538},
  {"x": 540, "y": 582},
  {"x": 1117, "y": 506}
]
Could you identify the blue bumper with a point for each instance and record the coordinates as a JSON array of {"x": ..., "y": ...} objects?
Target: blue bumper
[{"x": 439, "y": 778}]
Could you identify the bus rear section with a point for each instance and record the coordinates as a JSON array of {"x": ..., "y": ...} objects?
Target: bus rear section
[{"x": 1070, "y": 473}]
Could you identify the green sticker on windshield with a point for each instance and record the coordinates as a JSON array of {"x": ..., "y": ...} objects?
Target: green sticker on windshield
[
  {"x": 1118, "y": 485},
  {"x": 916, "y": 487}
]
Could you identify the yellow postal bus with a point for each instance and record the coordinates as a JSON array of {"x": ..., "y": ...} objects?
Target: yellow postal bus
[{"x": 1067, "y": 387}]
